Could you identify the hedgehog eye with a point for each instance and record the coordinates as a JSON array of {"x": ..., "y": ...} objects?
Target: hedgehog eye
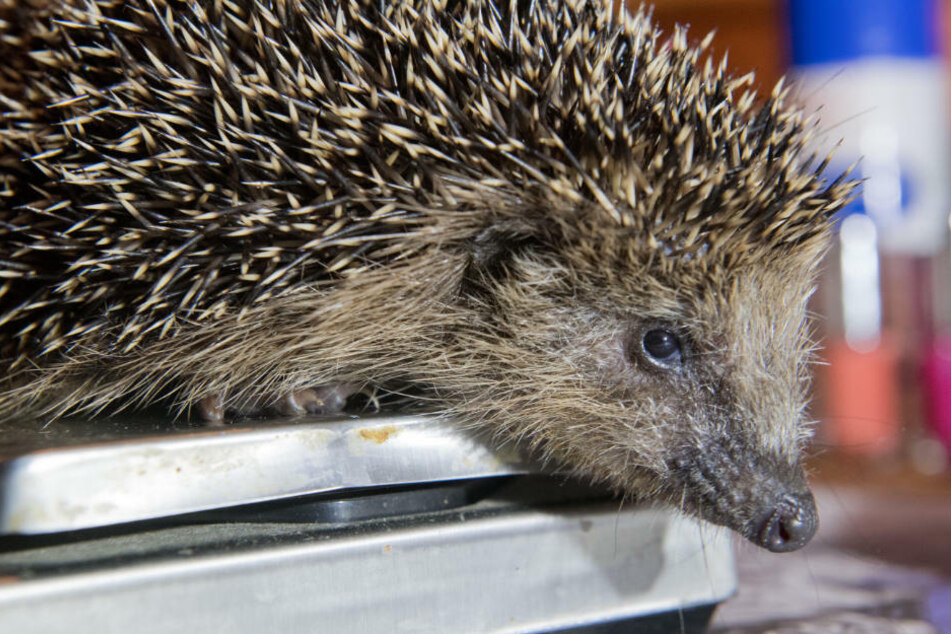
[{"x": 662, "y": 347}]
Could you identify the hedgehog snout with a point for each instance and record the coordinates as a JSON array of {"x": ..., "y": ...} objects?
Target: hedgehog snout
[
  {"x": 761, "y": 496},
  {"x": 789, "y": 524}
]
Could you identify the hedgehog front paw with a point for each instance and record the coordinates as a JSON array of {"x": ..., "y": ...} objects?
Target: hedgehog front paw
[{"x": 327, "y": 399}]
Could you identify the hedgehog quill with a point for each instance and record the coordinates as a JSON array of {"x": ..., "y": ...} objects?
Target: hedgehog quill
[{"x": 556, "y": 225}]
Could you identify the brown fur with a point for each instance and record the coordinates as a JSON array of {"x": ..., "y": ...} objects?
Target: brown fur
[{"x": 492, "y": 217}]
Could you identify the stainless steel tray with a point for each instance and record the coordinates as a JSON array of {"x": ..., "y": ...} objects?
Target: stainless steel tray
[
  {"x": 493, "y": 567},
  {"x": 81, "y": 474},
  {"x": 346, "y": 525}
]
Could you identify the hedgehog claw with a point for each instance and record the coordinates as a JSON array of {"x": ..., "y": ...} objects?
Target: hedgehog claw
[
  {"x": 211, "y": 409},
  {"x": 297, "y": 402}
]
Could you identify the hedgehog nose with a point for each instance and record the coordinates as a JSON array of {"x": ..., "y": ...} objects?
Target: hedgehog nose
[{"x": 791, "y": 524}]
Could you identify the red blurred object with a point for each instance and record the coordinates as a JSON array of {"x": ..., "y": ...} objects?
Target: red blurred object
[
  {"x": 862, "y": 399},
  {"x": 937, "y": 379}
]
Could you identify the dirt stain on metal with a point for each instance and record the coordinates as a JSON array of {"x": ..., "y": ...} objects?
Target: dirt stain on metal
[{"x": 379, "y": 435}]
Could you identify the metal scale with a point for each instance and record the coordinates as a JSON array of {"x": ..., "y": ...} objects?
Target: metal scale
[{"x": 382, "y": 524}]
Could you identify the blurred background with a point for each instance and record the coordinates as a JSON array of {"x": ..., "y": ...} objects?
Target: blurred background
[{"x": 876, "y": 73}]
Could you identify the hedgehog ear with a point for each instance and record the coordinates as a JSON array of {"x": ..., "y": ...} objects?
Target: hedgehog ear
[
  {"x": 493, "y": 249},
  {"x": 497, "y": 245}
]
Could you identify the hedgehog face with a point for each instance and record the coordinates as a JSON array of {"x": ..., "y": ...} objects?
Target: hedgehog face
[
  {"x": 735, "y": 391},
  {"x": 687, "y": 386}
]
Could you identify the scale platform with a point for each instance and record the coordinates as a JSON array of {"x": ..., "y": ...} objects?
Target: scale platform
[{"x": 372, "y": 524}]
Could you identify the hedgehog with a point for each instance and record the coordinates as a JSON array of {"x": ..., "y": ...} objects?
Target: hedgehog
[{"x": 544, "y": 220}]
